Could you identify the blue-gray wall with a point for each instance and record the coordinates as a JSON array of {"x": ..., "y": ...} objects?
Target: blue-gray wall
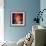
[
  {"x": 30, "y": 7},
  {"x": 43, "y": 6}
]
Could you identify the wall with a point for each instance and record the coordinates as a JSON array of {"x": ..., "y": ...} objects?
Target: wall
[
  {"x": 30, "y": 7},
  {"x": 1, "y": 21},
  {"x": 43, "y": 6}
]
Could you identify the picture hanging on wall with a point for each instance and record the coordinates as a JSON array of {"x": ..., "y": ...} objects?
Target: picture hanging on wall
[{"x": 17, "y": 18}]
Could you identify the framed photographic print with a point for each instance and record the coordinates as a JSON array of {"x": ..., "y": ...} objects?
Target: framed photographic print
[{"x": 17, "y": 18}]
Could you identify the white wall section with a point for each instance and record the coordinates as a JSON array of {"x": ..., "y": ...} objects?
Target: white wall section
[{"x": 1, "y": 20}]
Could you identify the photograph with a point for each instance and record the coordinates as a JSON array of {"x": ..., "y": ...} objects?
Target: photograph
[{"x": 17, "y": 18}]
